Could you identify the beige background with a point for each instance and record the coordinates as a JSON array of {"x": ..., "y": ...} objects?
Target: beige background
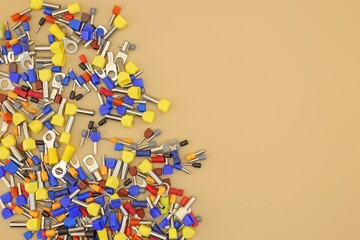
[{"x": 270, "y": 89}]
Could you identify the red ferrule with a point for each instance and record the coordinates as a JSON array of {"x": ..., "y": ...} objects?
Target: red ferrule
[
  {"x": 86, "y": 76},
  {"x": 16, "y": 17},
  {"x": 136, "y": 237},
  {"x": 34, "y": 94},
  {"x": 116, "y": 10},
  {"x": 105, "y": 92},
  {"x": 158, "y": 159},
  {"x": 26, "y": 17},
  {"x": 68, "y": 16},
  {"x": 14, "y": 192},
  {"x": 117, "y": 102},
  {"x": 83, "y": 58},
  {"x": 24, "y": 192},
  {"x": 134, "y": 222},
  {"x": 151, "y": 189},
  {"x": 184, "y": 200},
  {"x": 83, "y": 211},
  {"x": 50, "y": 19},
  {"x": 7, "y": 118},
  {"x": 178, "y": 192},
  {"x": 128, "y": 231},
  {"x": 20, "y": 92},
  {"x": 130, "y": 208}
]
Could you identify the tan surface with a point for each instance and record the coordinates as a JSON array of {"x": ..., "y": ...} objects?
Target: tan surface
[{"x": 270, "y": 89}]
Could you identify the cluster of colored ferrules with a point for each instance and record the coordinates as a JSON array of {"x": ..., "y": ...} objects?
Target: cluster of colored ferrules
[
  {"x": 116, "y": 199},
  {"x": 63, "y": 197},
  {"x": 116, "y": 80}
]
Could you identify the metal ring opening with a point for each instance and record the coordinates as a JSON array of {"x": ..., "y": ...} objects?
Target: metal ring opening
[
  {"x": 68, "y": 43},
  {"x": 9, "y": 85},
  {"x": 59, "y": 170}
]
